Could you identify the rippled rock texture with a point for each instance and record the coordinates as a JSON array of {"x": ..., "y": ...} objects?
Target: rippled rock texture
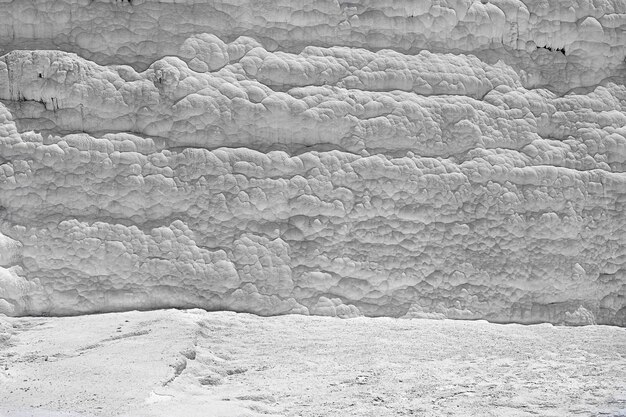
[{"x": 460, "y": 159}]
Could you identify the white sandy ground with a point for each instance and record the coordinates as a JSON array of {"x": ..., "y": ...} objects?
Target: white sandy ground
[{"x": 194, "y": 363}]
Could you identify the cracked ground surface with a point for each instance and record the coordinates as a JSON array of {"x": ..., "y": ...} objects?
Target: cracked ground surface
[{"x": 194, "y": 363}]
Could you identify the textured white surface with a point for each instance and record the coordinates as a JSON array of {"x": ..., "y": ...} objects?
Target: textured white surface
[
  {"x": 274, "y": 157},
  {"x": 193, "y": 364},
  {"x": 138, "y": 32}
]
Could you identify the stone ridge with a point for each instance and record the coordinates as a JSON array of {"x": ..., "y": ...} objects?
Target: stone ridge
[
  {"x": 265, "y": 157},
  {"x": 560, "y": 44}
]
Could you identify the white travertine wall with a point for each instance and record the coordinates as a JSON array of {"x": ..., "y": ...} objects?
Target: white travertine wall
[{"x": 461, "y": 159}]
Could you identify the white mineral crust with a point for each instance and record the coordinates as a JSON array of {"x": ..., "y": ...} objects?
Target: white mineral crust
[{"x": 461, "y": 159}]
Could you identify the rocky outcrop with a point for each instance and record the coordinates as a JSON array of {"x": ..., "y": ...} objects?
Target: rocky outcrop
[{"x": 316, "y": 158}]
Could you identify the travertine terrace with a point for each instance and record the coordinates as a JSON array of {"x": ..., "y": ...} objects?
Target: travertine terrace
[{"x": 453, "y": 158}]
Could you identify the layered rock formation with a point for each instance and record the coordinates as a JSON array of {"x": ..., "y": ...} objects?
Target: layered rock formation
[{"x": 458, "y": 158}]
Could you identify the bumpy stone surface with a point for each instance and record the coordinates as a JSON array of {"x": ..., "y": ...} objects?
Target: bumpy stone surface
[{"x": 459, "y": 159}]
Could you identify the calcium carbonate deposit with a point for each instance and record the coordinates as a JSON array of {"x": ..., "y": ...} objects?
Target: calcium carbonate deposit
[{"x": 443, "y": 158}]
